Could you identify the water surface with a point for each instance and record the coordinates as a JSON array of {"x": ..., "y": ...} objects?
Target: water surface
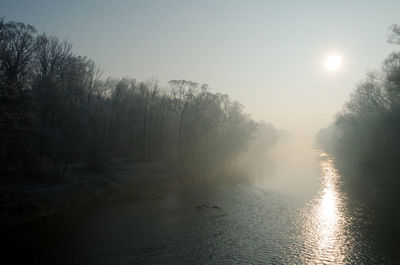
[{"x": 242, "y": 224}]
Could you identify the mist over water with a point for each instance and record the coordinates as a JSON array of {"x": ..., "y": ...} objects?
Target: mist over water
[
  {"x": 205, "y": 144},
  {"x": 290, "y": 166},
  {"x": 302, "y": 217}
]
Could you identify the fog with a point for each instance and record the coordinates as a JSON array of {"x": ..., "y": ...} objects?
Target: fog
[
  {"x": 199, "y": 132},
  {"x": 267, "y": 55},
  {"x": 294, "y": 168}
]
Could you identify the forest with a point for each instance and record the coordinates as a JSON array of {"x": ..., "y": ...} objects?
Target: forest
[
  {"x": 199, "y": 132},
  {"x": 57, "y": 110}
]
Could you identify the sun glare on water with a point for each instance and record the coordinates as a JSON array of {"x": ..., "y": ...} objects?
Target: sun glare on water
[{"x": 333, "y": 62}]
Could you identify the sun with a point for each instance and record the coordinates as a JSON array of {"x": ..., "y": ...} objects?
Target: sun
[{"x": 333, "y": 62}]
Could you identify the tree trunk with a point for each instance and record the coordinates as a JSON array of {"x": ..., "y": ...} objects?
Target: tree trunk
[{"x": 180, "y": 136}]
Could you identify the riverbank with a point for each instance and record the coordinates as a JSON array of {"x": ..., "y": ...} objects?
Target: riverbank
[
  {"x": 23, "y": 200},
  {"x": 238, "y": 224}
]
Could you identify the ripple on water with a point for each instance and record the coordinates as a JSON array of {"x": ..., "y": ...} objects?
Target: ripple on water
[
  {"x": 251, "y": 226},
  {"x": 334, "y": 227}
]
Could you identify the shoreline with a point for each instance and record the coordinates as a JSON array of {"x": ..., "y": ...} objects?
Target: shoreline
[{"x": 25, "y": 202}]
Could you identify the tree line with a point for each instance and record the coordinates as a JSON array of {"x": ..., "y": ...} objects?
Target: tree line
[
  {"x": 56, "y": 110},
  {"x": 365, "y": 136}
]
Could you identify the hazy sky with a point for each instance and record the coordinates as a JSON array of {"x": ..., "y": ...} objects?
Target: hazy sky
[{"x": 266, "y": 54}]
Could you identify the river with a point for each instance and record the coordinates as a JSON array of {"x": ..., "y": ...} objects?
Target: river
[{"x": 234, "y": 224}]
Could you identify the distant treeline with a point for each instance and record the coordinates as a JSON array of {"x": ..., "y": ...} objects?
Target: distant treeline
[
  {"x": 365, "y": 136},
  {"x": 56, "y": 110}
]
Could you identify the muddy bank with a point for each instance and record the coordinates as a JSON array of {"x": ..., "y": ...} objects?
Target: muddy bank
[{"x": 25, "y": 199}]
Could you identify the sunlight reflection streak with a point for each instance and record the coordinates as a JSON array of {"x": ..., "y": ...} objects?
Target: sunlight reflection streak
[{"x": 326, "y": 229}]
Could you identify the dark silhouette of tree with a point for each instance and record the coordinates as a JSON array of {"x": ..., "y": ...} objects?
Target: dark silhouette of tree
[
  {"x": 365, "y": 136},
  {"x": 16, "y": 49},
  {"x": 56, "y": 110}
]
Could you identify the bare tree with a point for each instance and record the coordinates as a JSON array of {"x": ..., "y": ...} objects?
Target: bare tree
[{"x": 182, "y": 92}]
